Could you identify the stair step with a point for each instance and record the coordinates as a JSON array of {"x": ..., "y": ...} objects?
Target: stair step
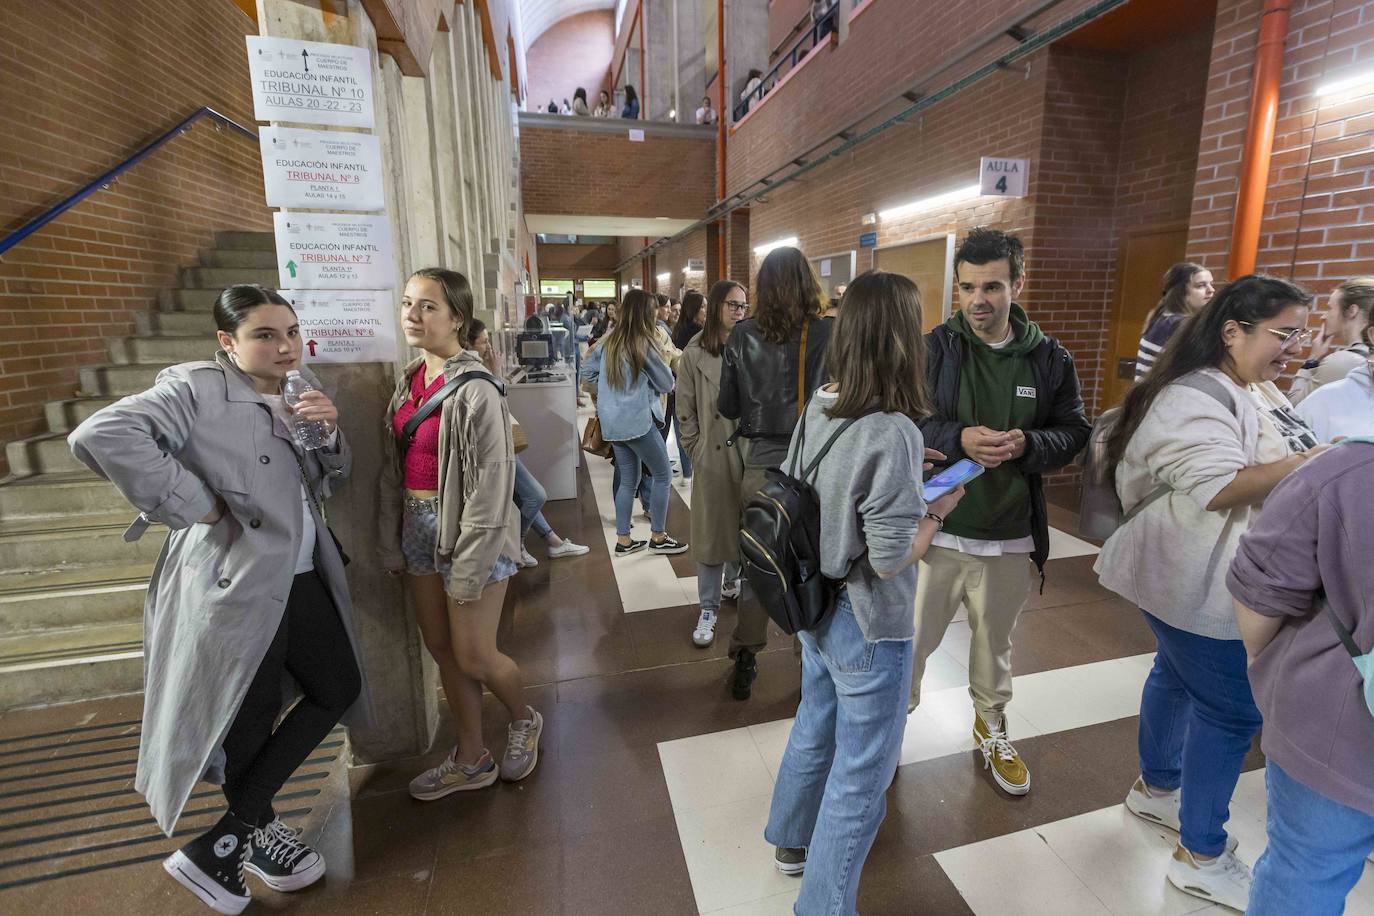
[
  {"x": 37, "y": 545},
  {"x": 65, "y": 416},
  {"x": 108, "y": 381},
  {"x": 175, "y": 324},
  {"x": 160, "y": 351},
  {"x": 261, "y": 241},
  {"x": 56, "y": 495},
  {"x": 188, "y": 300},
  {"x": 76, "y": 664},
  {"x": 239, "y": 257},
  {"x": 73, "y": 597},
  {"x": 217, "y": 278},
  {"x": 47, "y": 454}
]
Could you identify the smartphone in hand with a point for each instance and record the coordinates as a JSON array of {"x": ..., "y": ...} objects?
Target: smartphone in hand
[{"x": 958, "y": 474}]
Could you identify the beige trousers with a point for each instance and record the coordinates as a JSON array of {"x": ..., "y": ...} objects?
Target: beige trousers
[{"x": 994, "y": 589}]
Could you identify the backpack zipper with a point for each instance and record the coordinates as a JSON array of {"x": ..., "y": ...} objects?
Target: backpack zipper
[
  {"x": 781, "y": 508},
  {"x": 767, "y": 555}
]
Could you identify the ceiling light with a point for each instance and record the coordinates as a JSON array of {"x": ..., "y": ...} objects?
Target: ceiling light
[
  {"x": 664, "y": 278},
  {"x": 790, "y": 241},
  {"x": 1344, "y": 84},
  {"x": 931, "y": 203}
]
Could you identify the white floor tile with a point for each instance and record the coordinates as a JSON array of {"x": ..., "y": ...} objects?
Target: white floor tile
[
  {"x": 779, "y": 905},
  {"x": 728, "y": 860},
  {"x": 943, "y": 725},
  {"x": 1018, "y": 874},
  {"x": 1097, "y": 692},
  {"x": 711, "y": 770},
  {"x": 771, "y": 740},
  {"x": 1064, "y": 545}
]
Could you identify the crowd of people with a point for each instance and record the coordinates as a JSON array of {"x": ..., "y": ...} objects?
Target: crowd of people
[
  {"x": 1244, "y": 517},
  {"x": 605, "y": 108}
]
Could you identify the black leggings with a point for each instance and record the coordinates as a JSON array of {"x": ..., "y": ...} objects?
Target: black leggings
[{"x": 313, "y": 646}]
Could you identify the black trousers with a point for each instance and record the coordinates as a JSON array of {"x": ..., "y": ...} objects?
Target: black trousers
[{"x": 313, "y": 646}]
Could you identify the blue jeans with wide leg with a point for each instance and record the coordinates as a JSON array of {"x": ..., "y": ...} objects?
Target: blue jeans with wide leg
[{"x": 830, "y": 795}]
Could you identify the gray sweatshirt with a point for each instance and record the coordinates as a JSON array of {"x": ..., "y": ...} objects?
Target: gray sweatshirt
[{"x": 870, "y": 493}]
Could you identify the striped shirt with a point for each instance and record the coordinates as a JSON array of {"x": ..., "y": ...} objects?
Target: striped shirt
[{"x": 1153, "y": 341}]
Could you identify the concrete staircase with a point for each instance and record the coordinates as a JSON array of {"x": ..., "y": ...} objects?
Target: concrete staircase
[{"x": 71, "y": 589}]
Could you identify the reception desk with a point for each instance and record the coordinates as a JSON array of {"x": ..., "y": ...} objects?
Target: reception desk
[{"x": 547, "y": 411}]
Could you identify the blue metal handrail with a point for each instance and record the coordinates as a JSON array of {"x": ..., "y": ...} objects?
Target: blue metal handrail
[
  {"x": 104, "y": 181},
  {"x": 820, "y": 30}
]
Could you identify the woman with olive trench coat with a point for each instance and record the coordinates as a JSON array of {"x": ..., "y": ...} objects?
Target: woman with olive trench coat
[{"x": 218, "y": 592}]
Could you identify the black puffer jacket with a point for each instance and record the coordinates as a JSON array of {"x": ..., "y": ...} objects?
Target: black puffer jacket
[
  {"x": 1059, "y": 434},
  {"x": 759, "y": 385}
]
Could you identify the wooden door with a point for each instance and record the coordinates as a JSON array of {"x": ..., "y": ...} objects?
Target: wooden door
[
  {"x": 927, "y": 264},
  {"x": 1145, "y": 256}
]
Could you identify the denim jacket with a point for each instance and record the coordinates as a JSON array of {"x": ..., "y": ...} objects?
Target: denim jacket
[{"x": 628, "y": 413}]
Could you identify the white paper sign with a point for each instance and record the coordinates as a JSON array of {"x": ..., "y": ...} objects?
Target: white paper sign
[
  {"x": 825, "y": 267},
  {"x": 328, "y": 251},
  {"x": 1004, "y": 177},
  {"x": 321, "y": 169},
  {"x": 310, "y": 82},
  {"x": 636, "y": 136},
  {"x": 347, "y": 326}
]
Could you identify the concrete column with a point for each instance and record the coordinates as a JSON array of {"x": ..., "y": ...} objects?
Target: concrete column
[{"x": 402, "y": 690}]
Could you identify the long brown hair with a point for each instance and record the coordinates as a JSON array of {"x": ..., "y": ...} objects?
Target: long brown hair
[
  {"x": 1174, "y": 292},
  {"x": 458, "y": 295},
  {"x": 877, "y": 352},
  {"x": 713, "y": 331},
  {"x": 625, "y": 351},
  {"x": 788, "y": 294}
]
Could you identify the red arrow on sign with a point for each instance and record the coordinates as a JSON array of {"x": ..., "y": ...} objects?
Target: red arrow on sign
[{"x": 311, "y": 345}]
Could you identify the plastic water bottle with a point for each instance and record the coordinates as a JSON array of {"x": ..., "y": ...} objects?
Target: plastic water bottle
[{"x": 309, "y": 433}]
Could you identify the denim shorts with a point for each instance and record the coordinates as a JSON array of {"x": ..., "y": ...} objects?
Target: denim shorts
[{"x": 420, "y": 534}]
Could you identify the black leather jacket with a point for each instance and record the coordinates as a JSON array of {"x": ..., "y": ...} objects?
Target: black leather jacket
[{"x": 758, "y": 384}]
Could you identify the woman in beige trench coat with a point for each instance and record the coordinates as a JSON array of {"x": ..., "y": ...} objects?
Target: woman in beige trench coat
[
  {"x": 718, "y": 468},
  {"x": 249, "y": 589}
]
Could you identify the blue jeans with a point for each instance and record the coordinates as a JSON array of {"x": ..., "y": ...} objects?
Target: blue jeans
[
  {"x": 1316, "y": 851},
  {"x": 1197, "y": 717},
  {"x": 711, "y": 580},
  {"x": 651, "y": 451},
  {"x": 684, "y": 459},
  {"x": 830, "y": 795},
  {"x": 643, "y": 482},
  {"x": 530, "y": 496}
]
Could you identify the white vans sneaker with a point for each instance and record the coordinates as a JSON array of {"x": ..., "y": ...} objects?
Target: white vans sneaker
[
  {"x": 526, "y": 559},
  {"x": 1225, "y": 880},
  {"x": 567, "y": 549},
  {"x": 705, "y": 633}
]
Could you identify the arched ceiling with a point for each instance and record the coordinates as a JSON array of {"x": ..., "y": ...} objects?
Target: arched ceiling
[{"x": 536, "y": 16}]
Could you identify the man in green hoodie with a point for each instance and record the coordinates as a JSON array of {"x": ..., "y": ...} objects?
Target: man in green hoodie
[{"x": 1007, "y": 397}]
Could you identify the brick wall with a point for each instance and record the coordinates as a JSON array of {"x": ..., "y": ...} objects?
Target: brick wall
[
  {"x": 673, "y": 259},
  {"x": 592, "y": 172},
  {"x": 574, "y": 52},
  {"x": 578, "y": 262},
  {"x": 1320, "y": 197},
  {"x": 85, "y": 86}
]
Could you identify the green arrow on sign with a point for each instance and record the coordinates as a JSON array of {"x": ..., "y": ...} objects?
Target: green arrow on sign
[{"x": 291, "y": 266}]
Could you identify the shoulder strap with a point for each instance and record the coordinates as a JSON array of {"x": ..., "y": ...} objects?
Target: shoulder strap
[
  {"x": 801, "y": 373},
  {"x": 1200, "y": 381},
  {"x": 433, "y": 404},
  {"x": 1156, "y": 494},
  {"x": 1341, "y": 632},
  {"x": 811, "y": 469}
]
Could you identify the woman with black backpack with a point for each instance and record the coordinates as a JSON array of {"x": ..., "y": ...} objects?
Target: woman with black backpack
[{"x": 828, "y": 800}]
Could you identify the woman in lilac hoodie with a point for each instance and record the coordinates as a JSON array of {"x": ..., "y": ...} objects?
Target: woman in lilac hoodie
[{"x": 1301, "y": 574}]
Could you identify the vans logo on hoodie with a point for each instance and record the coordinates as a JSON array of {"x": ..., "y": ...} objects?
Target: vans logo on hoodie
[{"x": 1025, "y": 391}]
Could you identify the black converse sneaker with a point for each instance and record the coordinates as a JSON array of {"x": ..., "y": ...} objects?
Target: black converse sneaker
[
  {"x": 211, "y": 866},
  {"x": 281, "y": 860}
]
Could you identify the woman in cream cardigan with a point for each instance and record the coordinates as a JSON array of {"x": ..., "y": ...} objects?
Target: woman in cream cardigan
[{"x": 1200, "y": 443}]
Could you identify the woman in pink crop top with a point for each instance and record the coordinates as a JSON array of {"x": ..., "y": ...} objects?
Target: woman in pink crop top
[{"x": 455, "y": 538}]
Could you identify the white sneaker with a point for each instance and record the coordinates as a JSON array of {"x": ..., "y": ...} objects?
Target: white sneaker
[
  {"x": 730, "y": 590},
  {"x": 1161, "y": 808},
  {"x": 705, "y": 633},
  {"x": 527, "y": 559},
  {"x": 567, "y": 549},
  {"x": 1225, "y": 880}
]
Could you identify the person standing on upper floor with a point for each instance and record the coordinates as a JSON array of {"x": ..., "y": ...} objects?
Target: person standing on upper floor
[
  {"x": 604, "y": 108},
  {"x": 1344, "y": 408},
  {"x": 746, "y": 95},
  {"x": 703, "y": 436},
  {"x": 689, "y": 325},
  {"x": 1007, "y": 397},
  {"x": 1199, "y": 444},
  {"x": 829, "y": 794},
  {"x": 631, "y": 109},
  {"x": 1187, "y": 288},
  {"x": 771, "y": 364},
  {"x": 579, "y": 105},
  {"x": 630, "y": 375},
  {"x": 248, "y": 590},
  {"x": 706, "y": 114},
  {"x": 1340, "y": 346},
  {"x": 1301, "y": 576}
]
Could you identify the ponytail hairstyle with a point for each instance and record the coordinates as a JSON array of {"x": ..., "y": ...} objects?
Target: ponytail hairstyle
[
  {"x": 1174, "y": 292},
  {"x": 458, "y": 295},
  {"x": 234, "y": 304}
]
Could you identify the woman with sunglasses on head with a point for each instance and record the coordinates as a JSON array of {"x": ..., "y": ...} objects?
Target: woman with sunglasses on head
[
  {"x": 1199, "y": 444},
  {"x": 249, "y": 589},
  {"x": 447, "y": 520},
  {"x": 704, "y": 437}
]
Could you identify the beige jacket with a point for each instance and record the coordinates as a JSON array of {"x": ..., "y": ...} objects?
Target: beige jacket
[
  {"x": 478, "y": 521},
  {"x": 717, "y": 468}
]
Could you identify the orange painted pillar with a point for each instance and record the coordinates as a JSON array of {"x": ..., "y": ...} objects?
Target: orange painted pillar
[
  {"x": 1259, "y": 139},
  {"x": 721, "y": 114}
]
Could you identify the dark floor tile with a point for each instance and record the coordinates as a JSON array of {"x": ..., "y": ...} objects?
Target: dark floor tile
[
  {"x": 600, "y": 789},
  {"x": 897, "y": 883},
  {"x": 637, "y": 868},
  {"x": 524, "y": 880},
  {"x": 1067, "y": 581},
  {"x": 402, "y": 895}
]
